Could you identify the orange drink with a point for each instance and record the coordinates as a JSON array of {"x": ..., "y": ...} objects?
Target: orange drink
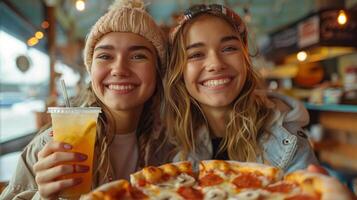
[{"x": 76, "y": 126}]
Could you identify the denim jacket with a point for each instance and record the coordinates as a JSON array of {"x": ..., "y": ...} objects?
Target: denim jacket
[{"x": 286, "y": 146}]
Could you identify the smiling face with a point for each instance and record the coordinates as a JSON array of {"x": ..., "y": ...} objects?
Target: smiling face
[
  {"x": 215, "y": 71},
  {"x": 123, "y": 70}
]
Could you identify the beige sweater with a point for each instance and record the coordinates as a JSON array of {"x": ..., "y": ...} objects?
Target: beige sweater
[{"x": 23, "y": 186}]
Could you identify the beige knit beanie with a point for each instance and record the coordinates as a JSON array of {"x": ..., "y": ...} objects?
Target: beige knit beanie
[{"x": 126, "y": 16}]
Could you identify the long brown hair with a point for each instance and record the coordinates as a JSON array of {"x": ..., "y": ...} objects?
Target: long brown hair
[{"x": 247, "y": 118}]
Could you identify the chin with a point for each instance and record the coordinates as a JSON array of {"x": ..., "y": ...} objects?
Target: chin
[
  {"x": 118, "y": 107},
  {"x": 219, "y": 102}
]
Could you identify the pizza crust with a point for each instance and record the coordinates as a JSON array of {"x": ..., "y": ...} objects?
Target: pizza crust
[
  {"x": 272, "y": 173},
  {"x": 233, "y": 180},
  {"x": 329, "y": 187},
  {"x": 108, "y": 190}
]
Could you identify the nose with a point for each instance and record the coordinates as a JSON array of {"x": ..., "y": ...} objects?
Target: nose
[
  {"x": 214, "y": 62},
  {"x": 119, "y": 67}
]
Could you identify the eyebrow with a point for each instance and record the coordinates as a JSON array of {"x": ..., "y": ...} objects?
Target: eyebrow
[
  {"x": 194, "y": 45},
  {"x": 200, "y": 44},
  {"x": 140, "y": 47},
  {"x": 229, "y": 38},
  {"x": 131, "y": 48},
  {"x": 105, "y": 47}
]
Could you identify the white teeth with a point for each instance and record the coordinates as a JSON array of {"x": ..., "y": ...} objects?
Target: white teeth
[
  {"x": 121, "y": 87},
  {"x": 213, "y": 83}
]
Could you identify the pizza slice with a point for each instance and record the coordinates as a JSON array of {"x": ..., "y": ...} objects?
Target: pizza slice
[
  {"x": 170, "y": 181},
  {"x": 116, "y": 190},
  {"x": 299, "y": 185},
  {"x": 221, "y": 180},
  {"x": 316, "y": 186},
  {"x": 226, "y": 179}
]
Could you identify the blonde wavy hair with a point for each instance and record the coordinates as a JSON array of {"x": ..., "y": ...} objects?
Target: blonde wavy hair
[{"x": 247, "y": 118}]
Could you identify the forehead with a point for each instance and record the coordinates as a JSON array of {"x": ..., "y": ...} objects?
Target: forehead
[
  {"x": 123, "y": 40},
  {"x": 207, "y": 26}
]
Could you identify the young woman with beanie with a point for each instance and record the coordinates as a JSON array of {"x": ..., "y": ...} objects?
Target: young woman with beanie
[{"x": 124, "y": 54}]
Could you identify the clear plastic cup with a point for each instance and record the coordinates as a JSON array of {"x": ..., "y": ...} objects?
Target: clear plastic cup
[{"x": 76, "y": 126}]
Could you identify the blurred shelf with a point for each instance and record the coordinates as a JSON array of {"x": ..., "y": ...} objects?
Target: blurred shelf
[{"x": 331, "y": 107}]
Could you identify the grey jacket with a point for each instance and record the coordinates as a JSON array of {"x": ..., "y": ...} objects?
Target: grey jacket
[{"x": 286, "y": 146}]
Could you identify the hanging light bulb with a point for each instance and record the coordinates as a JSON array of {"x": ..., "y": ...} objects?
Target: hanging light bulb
[
  {"x": 45, "y": 24},
  {"x": 39, "y": 35},
  {"x": 301, "y": 56},
  {"x": 80, "y": 5},
  {"x": 32, "y": 41},
  {"x": 342, "y": 17}
]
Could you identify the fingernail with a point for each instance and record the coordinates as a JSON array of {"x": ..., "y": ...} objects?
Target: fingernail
[
  {"x": 82, "y": 168},
  {"x": 82, "y": 157},
  {"x": 67, "y": 146}
]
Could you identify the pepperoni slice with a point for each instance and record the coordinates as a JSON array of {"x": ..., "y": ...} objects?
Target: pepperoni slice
[
  {"x": 247, "y": 180},
  {"x": 281, "y": 187},
  {"x": 210, "y": 179},
  {"x": 137, "y": 194},
  {"x": 141, "y": 182},
  {"x": 302, "y": 197},
  {"x": 119, "y": 194},
  {"x": 165, "y": 177},
  {"x": 190, "y": 193}
]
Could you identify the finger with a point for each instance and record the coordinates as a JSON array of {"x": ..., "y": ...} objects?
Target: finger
[
  {"x": 57, "y": 158},
  {"x": 317, "y": 169},
  {"x": 54, "y": 173},
  {"x": 51, "y": 190},
  {"x": 52, "y": 147}
]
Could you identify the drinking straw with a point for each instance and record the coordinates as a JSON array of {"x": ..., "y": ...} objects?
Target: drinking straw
[{"x": 64, "y": 92}]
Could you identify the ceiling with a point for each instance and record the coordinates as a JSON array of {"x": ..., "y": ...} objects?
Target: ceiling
[
  {"x": 265, "y": 15},
  {"x": 23, "y": 17}
]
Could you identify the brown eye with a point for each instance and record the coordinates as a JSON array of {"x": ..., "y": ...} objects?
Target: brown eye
[
  {"x": 104, "y": 57},
  {"x": 195, "y": 56},
  {"x": 139, "y": 57},
  {"x": 229, "y": 49}
]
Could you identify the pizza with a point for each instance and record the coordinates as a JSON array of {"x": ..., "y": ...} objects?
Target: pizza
[{"x": 220, "y": 180}]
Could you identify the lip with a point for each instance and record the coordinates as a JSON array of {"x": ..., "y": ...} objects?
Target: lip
[
  {"x": 121, "y": 88},
  {"x": 215, "y": 78},
  {"x": 216, "y": 82}
]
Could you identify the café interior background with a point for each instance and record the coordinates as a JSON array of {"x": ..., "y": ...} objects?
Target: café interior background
[{"x": 306, "y": 49}]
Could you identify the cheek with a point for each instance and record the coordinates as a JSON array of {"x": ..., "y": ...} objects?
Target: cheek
[
  {"x": 189, "y": 79},
  {"x": 186, "y": 77},
  {"x": 190, "y": 74},
  {"x": 148, "y": 77},
  {"x": 97, "y": 76},
  {"x": 239, "y": 65}
]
